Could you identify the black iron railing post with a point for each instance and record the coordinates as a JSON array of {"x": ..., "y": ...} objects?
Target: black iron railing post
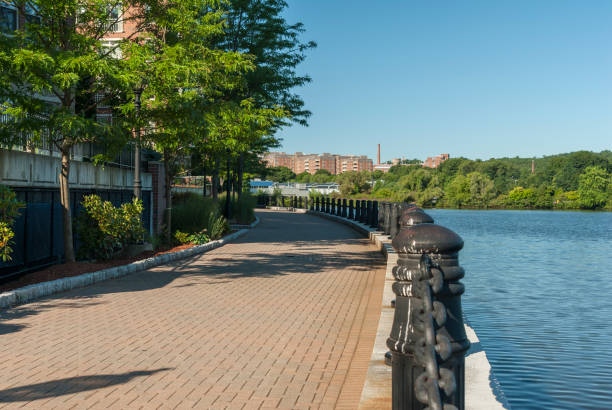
[
  {"x": 428, "y": 340},
  {"x": 343, "y": 208},
  {"x": 380, "y": 216},
  {"x": 393, "y": 220},
  {"x": 374, "y": 223},
  {"x": 351, "y": 210},
  {"x": 370, "y": 217},
  {"x": 363, "y": 215},
  {"x": 357, "y": 215},
  {"x": 333, "y": 206}
]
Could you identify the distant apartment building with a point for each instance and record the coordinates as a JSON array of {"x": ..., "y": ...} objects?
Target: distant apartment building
[
  {"x": 434, "y": 162},
  {"x": 311, "y": 163}
]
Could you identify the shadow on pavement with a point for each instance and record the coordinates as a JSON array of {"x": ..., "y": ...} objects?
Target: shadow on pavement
[
  {"x": 21, "y": 312},
  {"x": 310, "y": 238},
  {"x": 70, "y": 385}
]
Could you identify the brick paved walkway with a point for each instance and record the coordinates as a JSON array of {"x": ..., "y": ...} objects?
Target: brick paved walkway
[{"x": 284, "y": 317}]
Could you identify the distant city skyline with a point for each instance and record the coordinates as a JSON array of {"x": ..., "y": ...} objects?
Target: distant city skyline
[{"x": 475, "y": 79}]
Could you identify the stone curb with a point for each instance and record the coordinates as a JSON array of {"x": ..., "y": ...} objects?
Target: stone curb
[
  {"x": 32, "y": 292},
  {"x": 482, "y": 390},
  {"x": 287, "y": 208}
]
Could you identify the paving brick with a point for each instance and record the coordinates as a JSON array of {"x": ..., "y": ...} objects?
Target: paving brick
[{"x": 284, "y": 317}]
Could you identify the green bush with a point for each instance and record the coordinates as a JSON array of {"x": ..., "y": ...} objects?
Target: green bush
[
  {"x": 199, "y": 238},
  {"x": 243, "y": 209},
  {"x": 200, "y": 217},
  {"x": 104, "y": 229},
  {"x": 218, "y": 225},
  {"x": 191, "y": 212},
  {"x": 9, "y": 210},
  {"x": 182, "y": 238}
]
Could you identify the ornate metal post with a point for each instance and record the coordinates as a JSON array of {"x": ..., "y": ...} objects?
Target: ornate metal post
[
  {"x": 351, "y": 211},
  {"x": 357, "y": 214},
  {"x": 374, "y": 223},
  {"x": 327, "y": 205},
  {"x": 333, "y": 206},
  {"x": 317, "y": 207},
  {"x": 339, "y": 207},
  {"x": 387, "y": 225},
  {"x": 428, "y": 340},
  {"x": 393, "y": 220},
  {"x": 380, "y": 214},
  {"x": 363, "y": 216},
  {"x": 370, "y": 216},
  {"x": 343, "y": 208}
]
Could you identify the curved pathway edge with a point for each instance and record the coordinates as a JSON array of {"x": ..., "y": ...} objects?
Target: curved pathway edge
[{"x": 30, "y": 293}]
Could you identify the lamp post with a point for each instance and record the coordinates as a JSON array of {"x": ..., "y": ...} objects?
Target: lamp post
[{"x": 137, "y": 182}]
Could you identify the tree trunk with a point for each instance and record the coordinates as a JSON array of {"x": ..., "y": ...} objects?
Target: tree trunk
[
  {"x": 229, "y": 184},
  {"x": 204, "y": 175},
  {"x": 215, "y": 178},
  {"x": 240, "y": 173},
  {"x": 65, "y": 201},
  {"x": 168, "y": 194}
]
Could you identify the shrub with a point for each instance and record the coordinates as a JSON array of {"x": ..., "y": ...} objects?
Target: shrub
[
  {"x": 191, "y": 212},
  {"x": 243, "y": 209},
  {"x": 218, "y": 225},
  {"x": 105, "y": 230},
  {"x": 9, "y": 210},
  {"x": 199, "y": 217},
  {"x": 199, "y": 238},
  {"x": 182, "y": 238}
]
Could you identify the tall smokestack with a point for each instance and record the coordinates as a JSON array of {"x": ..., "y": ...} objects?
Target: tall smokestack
[
  {"x": 378, "y": 154},
  {"x": 533, "y": 166}
]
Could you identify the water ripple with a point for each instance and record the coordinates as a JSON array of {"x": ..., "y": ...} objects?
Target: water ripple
[{"x": 538, "y": 295}]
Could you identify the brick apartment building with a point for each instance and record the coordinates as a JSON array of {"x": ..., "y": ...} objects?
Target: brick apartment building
[
  {"x": 434, "y": 162},
  {"x": 311, "y": 163}
]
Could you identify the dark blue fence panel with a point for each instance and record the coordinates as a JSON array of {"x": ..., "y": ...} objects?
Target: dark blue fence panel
[{"x": 39, "y": 230}]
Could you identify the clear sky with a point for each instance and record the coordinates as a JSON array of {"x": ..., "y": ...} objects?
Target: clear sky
[{"x": 478, "y": 79}]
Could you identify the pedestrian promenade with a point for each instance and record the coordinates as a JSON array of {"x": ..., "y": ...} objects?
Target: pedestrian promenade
[{"x": 284, "y": 317}]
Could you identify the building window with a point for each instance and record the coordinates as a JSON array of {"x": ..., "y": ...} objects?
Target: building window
[
  {"x": 112, "y": 48},
  {"x": 8, "y": 19},
  {"x": 31, "y": 14},
  {"x": 115, "y": 23}
]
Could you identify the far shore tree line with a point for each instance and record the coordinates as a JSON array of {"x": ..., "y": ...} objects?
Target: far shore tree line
[
  {"x": 216, "y": 80},
  {"x": 577, "y": 180}
]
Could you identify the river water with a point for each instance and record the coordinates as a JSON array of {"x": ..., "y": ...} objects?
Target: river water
[{"x": 539, "y": 296}]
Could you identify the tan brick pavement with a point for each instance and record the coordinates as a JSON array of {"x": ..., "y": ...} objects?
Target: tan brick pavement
[{"x": 284, "y": 317}]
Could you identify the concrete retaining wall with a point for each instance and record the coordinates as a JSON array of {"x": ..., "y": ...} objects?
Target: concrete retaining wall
[{"x": 24, "y": 169}]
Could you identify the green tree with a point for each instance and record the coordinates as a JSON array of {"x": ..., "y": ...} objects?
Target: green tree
[
  {"x": 280, "y": 174},
  {"x": 353, "y": 182},
  {"x": 481, "y": 189},
  {"x": 49, "y": 69},
  {"x": 322, "y": 176},
  {"x": 258, "y": 29},
  {"x": 185, "y": 81},
  {"x": 457, "y": 191},
  {"x": 593, "y": 188}
]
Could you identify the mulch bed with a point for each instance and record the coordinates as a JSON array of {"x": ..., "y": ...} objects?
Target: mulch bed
[{"x": 66, "y": 270}]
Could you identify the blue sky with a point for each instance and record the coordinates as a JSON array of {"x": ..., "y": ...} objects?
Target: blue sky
[{"x": 478, "y": 79}]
